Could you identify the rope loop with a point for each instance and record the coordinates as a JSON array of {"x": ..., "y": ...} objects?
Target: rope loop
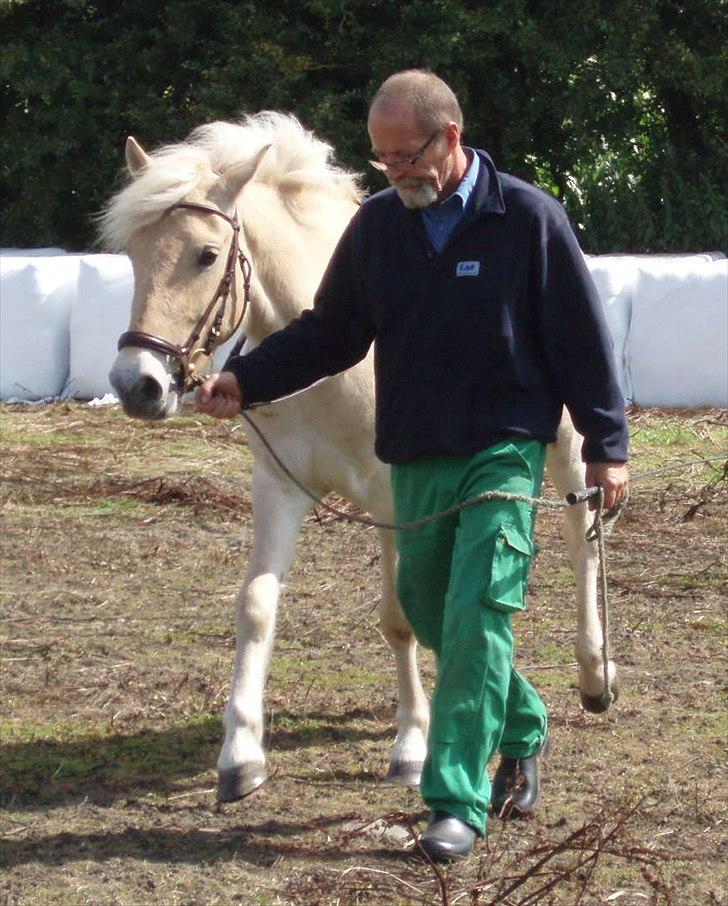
[{"x": 606, "y": 519}]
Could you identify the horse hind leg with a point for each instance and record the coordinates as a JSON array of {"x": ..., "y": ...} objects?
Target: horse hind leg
[
  {"x": 566, "y": 470},
  {"x": 412, "y": 717},
  {"x": 277, "y": 514}
]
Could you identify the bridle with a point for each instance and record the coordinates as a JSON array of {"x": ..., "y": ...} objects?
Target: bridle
[{"x": 187, "y": 376}]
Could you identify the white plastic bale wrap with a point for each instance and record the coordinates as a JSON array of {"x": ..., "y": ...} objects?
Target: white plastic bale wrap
[
  {"x": 36, "y": 294},
  {"x": 61, "y": 316},
  {"x": 31, "y": 253},
  {"x": 221, "y": 354},
  {"x": 627, "y": 283},
  {"x": 615, "y": 277},
  {"x": 100, "y": 314},
  {"x": 678, "y": 343}
]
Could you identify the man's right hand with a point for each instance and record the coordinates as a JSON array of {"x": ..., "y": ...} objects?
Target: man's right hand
[{"x": 220, "y": 396}]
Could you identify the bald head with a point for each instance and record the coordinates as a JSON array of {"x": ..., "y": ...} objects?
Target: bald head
[
  {"x": 415, "y": 124},
  {"x": 421, "y": 95}
]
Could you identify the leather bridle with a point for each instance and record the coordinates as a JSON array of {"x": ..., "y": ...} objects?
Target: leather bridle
[{"x": 187, "y": 376}]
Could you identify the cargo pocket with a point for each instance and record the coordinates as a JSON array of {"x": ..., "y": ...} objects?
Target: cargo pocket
[{"x": 510, "y": 568}]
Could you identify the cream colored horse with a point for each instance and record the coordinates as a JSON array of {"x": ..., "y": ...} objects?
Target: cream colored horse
[{"x": 292, "y": 204}]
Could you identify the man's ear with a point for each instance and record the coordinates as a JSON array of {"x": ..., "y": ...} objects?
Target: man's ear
[{"x": 453, "y": 134}]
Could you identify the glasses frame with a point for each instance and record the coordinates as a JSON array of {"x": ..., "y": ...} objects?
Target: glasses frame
[{"x": 403, "y": 162}]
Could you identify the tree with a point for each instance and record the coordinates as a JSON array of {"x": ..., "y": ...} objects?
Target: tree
[{"x": 616, "y": 108}]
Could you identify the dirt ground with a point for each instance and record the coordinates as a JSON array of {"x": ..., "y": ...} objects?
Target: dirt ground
[{"x": 123, "y": 546}]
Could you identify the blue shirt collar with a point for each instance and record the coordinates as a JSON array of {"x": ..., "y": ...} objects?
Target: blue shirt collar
[
  {"x": 467, "y": 183},
  {"x": 440, "y": 220},
  {"x": 465, "y": 186}
]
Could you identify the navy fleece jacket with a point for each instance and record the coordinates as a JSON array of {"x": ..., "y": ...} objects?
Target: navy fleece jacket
[{"x": 490, "y": 337}]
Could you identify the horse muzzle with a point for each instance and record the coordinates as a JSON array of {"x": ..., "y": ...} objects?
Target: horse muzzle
[{"x": 144, "y": 384}]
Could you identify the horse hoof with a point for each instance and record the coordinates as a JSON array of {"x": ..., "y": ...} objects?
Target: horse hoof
[
  {"x": 598, "y": 704},
  {"x": 237, "y": 783},
  {"x": 404, "y": 773}
]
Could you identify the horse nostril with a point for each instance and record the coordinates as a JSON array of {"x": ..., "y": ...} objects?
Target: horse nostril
[
  {"x": 147, "y": 390},
  {"x": 145, "y": 399}
]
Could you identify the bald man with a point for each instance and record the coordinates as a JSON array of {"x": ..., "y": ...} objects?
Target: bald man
[{"x": 485, "y": 322}]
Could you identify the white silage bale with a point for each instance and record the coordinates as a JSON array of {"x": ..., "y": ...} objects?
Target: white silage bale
[
  {"x": 221, "y": 354},
  {"x": 99, "y": 315},
  {"x": 660, "y": 275},
  {"x": 678, "y": 345},
  {"x": 614, "y": 277},
  {"x": 35, "y": 307},
  {"x": 31, "y": 253}
]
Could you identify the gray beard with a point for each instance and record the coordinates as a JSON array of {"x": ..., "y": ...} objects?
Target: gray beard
[{"x": 417, "y": 198}]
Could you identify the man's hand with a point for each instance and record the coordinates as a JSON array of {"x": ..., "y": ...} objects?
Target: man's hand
[
  {"x": 612, "y": 476},
  {"x": 220, "y": 396}
]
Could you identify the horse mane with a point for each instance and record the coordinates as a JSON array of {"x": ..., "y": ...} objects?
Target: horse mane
[{"x": 297, "y": 158}]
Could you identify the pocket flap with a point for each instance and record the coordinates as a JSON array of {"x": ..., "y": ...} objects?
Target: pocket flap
[
  {"x": 511, "y": 564},
  {"x": 517, "y": 539}
]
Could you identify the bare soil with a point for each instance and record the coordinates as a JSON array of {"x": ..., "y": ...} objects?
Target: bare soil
[{"x": 123, "y": 547}]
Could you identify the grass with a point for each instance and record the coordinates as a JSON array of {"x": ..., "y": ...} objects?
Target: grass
[
  {"x": 659, "y": 441},
  {"x": 114, "y": 506},
  {"x": 123, "y": 549},
  {"x": 552, "y": 653},
  {"x": 323, "y": 672},
  {"x": 666, "y": 435},
  {"x": 48, "y": 762}
]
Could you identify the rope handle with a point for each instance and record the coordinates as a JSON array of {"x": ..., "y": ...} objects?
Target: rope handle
[{"x": 574, "y": 497}]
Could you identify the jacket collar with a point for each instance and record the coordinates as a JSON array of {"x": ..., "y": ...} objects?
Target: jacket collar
[{"x": 487, "y": 196}]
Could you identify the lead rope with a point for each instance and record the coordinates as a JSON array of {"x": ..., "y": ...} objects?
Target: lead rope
[
  {"x": 400, "y": 526},
  {"x": 595, "y": 532}
]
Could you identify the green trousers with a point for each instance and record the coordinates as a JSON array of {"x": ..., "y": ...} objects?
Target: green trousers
[{"x": 460, "y": 579}]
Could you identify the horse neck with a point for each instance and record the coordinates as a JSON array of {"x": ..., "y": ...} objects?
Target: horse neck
[{"x": 288, "y": 257}]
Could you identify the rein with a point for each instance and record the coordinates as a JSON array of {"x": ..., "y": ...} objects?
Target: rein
[{"x": 187, "y": 376}]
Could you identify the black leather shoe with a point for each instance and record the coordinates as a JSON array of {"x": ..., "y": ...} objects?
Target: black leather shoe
[
  {"x": 447, "y": 838},
  {"x": 516, "y": 785}
]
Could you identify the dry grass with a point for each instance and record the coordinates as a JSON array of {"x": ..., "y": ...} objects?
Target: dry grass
[{"x": 123, "y": 546}]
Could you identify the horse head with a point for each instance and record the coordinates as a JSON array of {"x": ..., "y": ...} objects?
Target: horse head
[
  {"x": 192, "y": 218},
  {"x": 191, "y": 275}
]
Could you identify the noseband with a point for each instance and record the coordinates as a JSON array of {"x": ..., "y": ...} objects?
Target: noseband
[{"x": 185, "y": 354}]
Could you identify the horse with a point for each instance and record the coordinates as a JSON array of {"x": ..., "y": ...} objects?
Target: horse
[{"x": 231, "y": 229}]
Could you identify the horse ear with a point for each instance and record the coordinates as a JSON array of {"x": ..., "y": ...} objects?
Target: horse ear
[
  {"x": 136, "y": 157},
  {"x": 236, "y": 176}
]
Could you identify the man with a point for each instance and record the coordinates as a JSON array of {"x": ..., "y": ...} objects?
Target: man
[{"x": 485, "y": 322}]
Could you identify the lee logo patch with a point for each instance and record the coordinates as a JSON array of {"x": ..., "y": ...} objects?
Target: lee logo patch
[{"x": 467, "y": 269}]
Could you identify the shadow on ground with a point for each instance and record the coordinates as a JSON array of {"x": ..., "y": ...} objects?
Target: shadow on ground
[
  {"x": 259, "y": 844},
  {"x": 42, "y": 772}
]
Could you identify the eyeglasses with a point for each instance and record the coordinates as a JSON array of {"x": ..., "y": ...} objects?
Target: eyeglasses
[{"x": 401, "y": 162}]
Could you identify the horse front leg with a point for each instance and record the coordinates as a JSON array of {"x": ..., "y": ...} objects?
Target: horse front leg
[
  {"x": 566, "y": 470},
  {"x": 413, "y": 713},
  {"x": 278, "y": 510}
]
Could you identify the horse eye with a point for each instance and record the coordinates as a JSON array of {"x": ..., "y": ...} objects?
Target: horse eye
[{"x": 207, "y": 257}]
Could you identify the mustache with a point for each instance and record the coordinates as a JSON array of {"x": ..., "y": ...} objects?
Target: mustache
[{"x": 409, "y": 182}]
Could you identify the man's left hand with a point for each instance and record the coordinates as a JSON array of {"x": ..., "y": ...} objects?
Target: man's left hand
[{"x": 612, "y": 476}]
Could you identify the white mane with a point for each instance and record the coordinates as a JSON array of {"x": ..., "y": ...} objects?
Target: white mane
[{"x": 296, "y": 156}]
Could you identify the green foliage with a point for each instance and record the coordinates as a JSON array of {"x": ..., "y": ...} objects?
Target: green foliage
[{"x": 616, "y": 108}]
